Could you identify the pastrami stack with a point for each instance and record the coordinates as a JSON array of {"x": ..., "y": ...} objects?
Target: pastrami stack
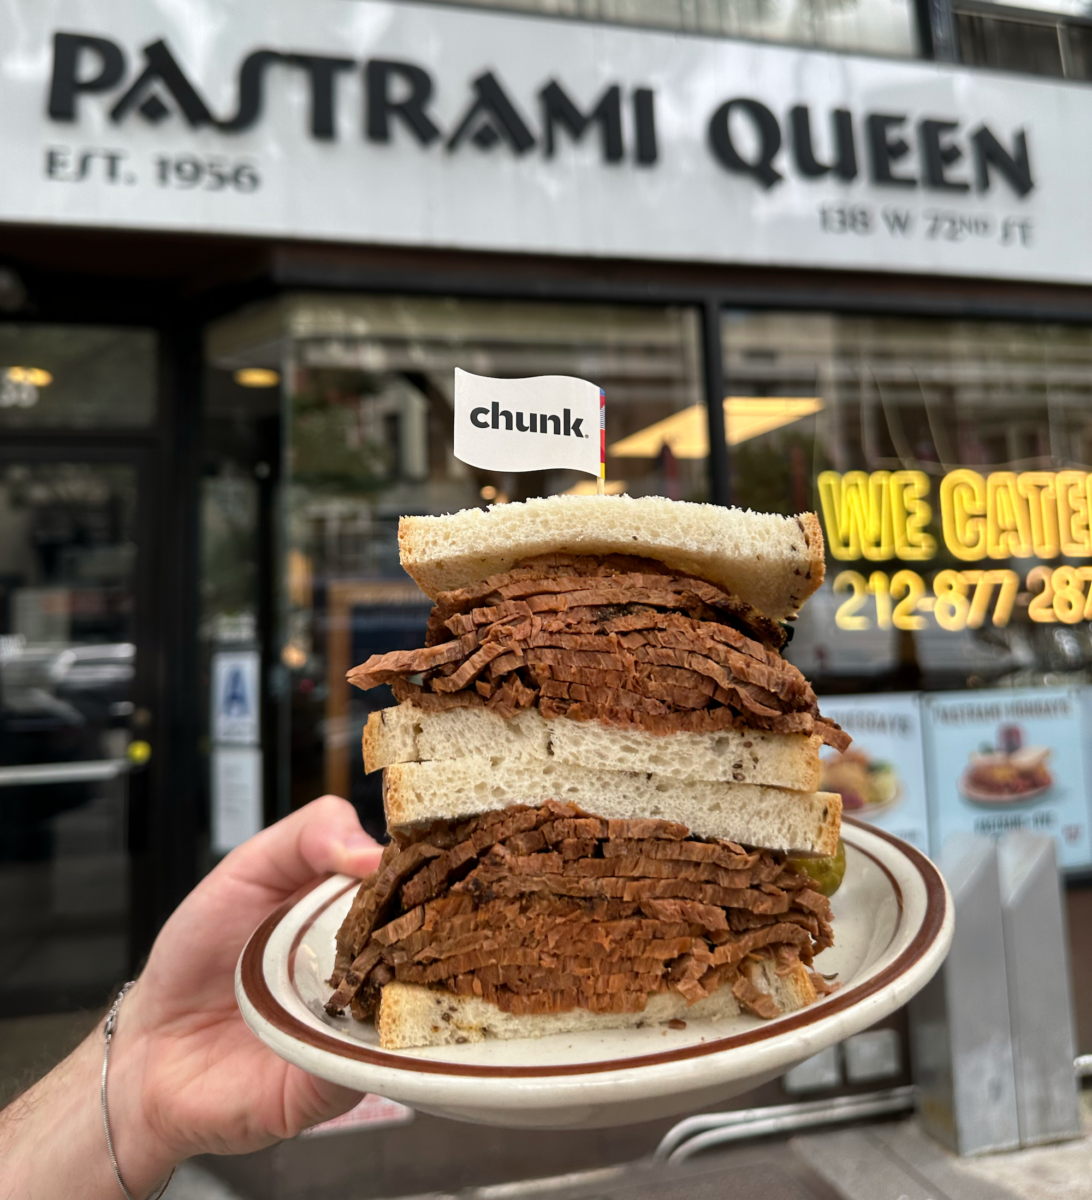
[{"x": 598, "y": 768}]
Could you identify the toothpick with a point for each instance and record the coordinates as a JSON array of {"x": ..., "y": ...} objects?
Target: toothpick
[{"x": 600, "y": 483}]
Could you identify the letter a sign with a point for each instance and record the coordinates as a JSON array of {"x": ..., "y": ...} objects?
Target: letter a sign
[{"x": 529, "y": 424}]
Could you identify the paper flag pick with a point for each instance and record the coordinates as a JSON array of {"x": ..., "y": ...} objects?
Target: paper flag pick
[{"x": 549, "y": 421}]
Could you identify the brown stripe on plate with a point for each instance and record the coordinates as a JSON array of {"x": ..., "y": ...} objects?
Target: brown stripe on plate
[{"x": 268, "y": 1007}]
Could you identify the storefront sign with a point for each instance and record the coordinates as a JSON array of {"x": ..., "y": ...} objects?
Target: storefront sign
[
  {"x": 1004, "y": 515},
  {"x": 415, "y": 124},
  {"x": 1006, "y": 760},
  {"x": 881, "y": 777}
]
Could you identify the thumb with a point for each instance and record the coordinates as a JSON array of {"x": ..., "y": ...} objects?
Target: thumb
[
  {"x": 324, "y": 835},
  {"x": 336, "y": 841}
]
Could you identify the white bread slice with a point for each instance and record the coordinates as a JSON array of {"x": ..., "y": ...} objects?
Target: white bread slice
[
  {"x": 419, "y": 1016},
  {"x": 770, "y": 561},
  {"x": 769, "y": 817},
  {"x": 408, "y": 734}
]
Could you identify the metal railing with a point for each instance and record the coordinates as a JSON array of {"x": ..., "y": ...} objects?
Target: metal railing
[
  {"x": 695, "y": 1134},
  {"x": 70, "y": 772}
]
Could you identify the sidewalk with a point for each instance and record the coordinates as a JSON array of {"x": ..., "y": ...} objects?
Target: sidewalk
[
  {"x": 873, "y": 1162},
  {"x": 882, "y": 1161}
]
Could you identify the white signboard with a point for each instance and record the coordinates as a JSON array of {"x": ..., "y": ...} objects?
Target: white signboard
[
  {"x": 234, "y": 698},
  {"x": 236, "y": 796},
  {"x": 1008, "y": 759},
  {"x": 881, "y": 777},
  {"x": 421, "y": 125},
  {"x": 527, "y": 424}
]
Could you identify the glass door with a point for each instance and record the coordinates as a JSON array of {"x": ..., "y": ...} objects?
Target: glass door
[{"x": 74, "y": 720}]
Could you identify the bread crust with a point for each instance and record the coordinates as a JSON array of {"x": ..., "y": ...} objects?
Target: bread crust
[
  {"x": 772, "y": 818},
  {"x": 410, "y": 1015},
  {"x": 406, "y": 733},
  {"x": 817, "y": 549}
]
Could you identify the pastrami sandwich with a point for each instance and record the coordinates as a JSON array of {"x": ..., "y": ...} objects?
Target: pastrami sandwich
[{"x": 600, "y": 779}]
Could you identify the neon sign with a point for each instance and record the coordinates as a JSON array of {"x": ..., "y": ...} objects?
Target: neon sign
[
  {"x": 877, "y": 516},
  {"x": 881, "y": 515}
]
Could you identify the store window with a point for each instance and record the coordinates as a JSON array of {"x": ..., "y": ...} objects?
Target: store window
[
  {"x": 76, "y": 377},
  {"x": 1006, "y": 45},
  {"x": 240, "y": 457},
  {"x": 366, "y": 434},
  {"x": 984, "y": 427},
  {"x": 1052, "y": 39},
  {"x": 873, "y": 26},
  {"x": 949, "y": 464}
]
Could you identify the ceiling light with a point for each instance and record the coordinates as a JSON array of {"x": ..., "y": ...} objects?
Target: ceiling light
[
  {"x": 588, "y": 487},
  {"x": 19, "y": 386},
  {"x": 746, "y": 417},
  {"x": 294, "y": 657},
  {"x": 257, "y": 377},
  {"x": 35, "y": 376},
  {"x": 686, "y": 433}
]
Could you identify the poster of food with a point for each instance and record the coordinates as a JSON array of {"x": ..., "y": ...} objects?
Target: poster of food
[
  {"x": 881, "y": 777},
  {"x": 1009, "y": 759}
]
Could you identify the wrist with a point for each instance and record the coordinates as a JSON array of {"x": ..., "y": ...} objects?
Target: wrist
[
  {"x": 145, "y": 1155},
  {"x": 52, "y": 1141}
]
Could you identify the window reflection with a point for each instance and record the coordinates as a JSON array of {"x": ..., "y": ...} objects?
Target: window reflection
[
  {"x": 76, "y": 377},
  {"x": 876, "y": 26},
  {"x": 367, "y": 402},
  {"x": 904, "y": 405}
]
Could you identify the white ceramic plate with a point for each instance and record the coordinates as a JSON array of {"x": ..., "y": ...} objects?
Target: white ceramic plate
[{"x": 893, "y": 925}]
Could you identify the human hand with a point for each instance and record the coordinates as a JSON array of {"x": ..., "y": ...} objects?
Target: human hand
[{"x": 186, "y": 1074}]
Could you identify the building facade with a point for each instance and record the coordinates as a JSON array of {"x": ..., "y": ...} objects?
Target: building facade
[{"x": 819, "y": 255}]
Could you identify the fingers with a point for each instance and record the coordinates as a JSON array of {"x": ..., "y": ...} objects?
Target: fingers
[
  {"x": 324, "y": 835},
  {"x": 336, "y": 842}
]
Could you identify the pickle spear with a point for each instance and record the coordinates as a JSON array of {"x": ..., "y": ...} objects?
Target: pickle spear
[{"x": 827, "y": 873}]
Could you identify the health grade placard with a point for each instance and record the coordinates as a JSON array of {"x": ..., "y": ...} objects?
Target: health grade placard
[
  {"x": 881, "y": 777},
  {"x": 1009, "y": 759}
]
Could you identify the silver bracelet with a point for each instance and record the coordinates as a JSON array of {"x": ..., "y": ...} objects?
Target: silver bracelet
[{"x": 108, "y": 1033}]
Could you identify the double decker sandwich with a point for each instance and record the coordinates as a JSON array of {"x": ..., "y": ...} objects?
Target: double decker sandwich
[{"x": 600, "y": 779}]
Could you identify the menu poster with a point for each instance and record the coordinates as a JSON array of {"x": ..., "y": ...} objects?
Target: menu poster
[
  {"x": 881, "y": 777},
  {"x": 1006, "y": 760}
]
